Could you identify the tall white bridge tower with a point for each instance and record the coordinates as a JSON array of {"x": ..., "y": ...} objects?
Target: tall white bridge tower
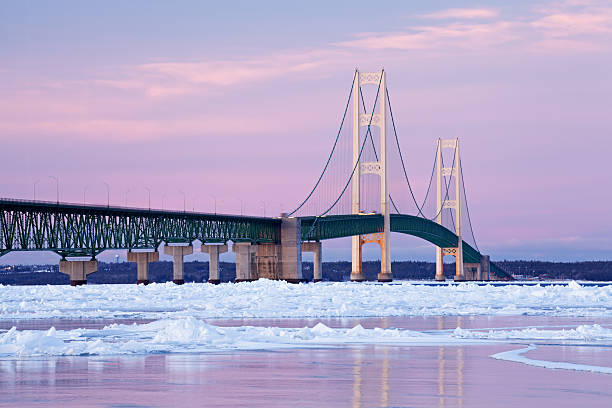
[
  {"x": 444, "y": 202},
  {"x": 380, "y": 168}
]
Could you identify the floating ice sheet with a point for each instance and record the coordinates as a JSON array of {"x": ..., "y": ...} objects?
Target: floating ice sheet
[
  {"x": 518, "y": 357},
  {"x": 189, "y": 335}
]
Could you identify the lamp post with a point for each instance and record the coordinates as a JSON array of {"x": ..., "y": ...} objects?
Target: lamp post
[
  {"x": 149, "y": 191},
  {"x": 241, "y": 206},
  {"x": 107, "y": 193},
  {"x": 263, "y": 203},
  {"x": 184, "y": 199},
  {"x": 35, "y": 183},
  {"x": 215, "y": 200},
  {"x": 56, "y": 187},
  {"x": 85, "y": 191},
  {"x": 126, "y": 195}
]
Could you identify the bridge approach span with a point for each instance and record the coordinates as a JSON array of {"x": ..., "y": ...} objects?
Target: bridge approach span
[{"x": 87, "y": 230}]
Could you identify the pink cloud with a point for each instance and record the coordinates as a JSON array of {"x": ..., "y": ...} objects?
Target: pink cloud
[
  {"x": 230, "y": 72},
  {"x": 462, "y": 13},
  {"x": 567, "y": 27}
]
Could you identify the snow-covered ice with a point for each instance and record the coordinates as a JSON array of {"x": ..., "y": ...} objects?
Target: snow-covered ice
[
  {"x": 585, "y": 332},
  {"x": 189, "y": 335},
  {"x": 518, "y": 357},
  {"x": 277, "y": 299},
  {"x": 179, "y": 313}
]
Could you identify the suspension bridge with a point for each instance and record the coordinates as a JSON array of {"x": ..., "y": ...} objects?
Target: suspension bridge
[{"x": 350, "y": 198}]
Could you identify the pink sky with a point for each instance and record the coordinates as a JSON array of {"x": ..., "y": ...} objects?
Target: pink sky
[{"x": 243, "y": 104}]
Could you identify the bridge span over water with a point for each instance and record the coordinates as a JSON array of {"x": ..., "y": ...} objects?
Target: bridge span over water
[
  {"x": 78, "y": 231},
  {"x": 350, "y": 198}
]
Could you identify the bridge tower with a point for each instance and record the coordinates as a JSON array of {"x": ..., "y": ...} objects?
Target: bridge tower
[
  {"x": 379, "y": 167},
  {"x": 443, "y": 202}
]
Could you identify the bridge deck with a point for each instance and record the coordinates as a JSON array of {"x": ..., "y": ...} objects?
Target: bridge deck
[{"x": 86, "y": 230}]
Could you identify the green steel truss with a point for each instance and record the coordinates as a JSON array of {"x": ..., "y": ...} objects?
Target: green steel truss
[
  {"x": 337, "y": 226},
  {"x": 77, "y": 230}
]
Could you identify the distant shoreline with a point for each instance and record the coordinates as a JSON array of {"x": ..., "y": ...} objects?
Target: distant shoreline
[{"x": 197, "y": 271}]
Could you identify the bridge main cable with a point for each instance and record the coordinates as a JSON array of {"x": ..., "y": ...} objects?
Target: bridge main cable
[
  {"x": 357, "y": 162},
  {"x": 332, "y": 151}
]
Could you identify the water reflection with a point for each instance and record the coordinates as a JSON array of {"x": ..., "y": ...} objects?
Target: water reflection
[{"x": 357, "y": 377}]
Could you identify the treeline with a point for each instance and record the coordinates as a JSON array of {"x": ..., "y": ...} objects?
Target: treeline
[
  {"x": 591, "y": 270},
  {"x": 125, "y": 272}
]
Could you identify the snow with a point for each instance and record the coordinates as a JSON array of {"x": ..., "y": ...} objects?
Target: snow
[
  {"x": 189, "y": 335},
  {"x": 277, "y": 299},
  {"x": 589, "y": 333},
  {"x": 178, "y": 314}
]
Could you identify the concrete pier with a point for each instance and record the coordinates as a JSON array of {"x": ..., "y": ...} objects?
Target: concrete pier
[
  {"x": 245, "y": 264},
  {"x": 439, "y": 265},
  {"x": 291, "y": 249},
  {"x": 142, "y": 257},
  {"x": 78, "y": 270},
  {"x": 471, "y": 271},
  {"x": 178, "y": 251},
  {"x": 357, "y": 274},
  {"x": 213, "y": 250},
  {"x": 316, "y": 248},
  {"x": 485, "y": 267},
  {"x": 268, "y": 261}
]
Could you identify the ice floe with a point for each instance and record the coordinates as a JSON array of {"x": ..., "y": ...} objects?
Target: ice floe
[
  {"x": 190, "y": 335},
  {"x": 277, "y": 299},
  {"x": 518, "y": 357},
  {"x": 585, "y": 332}
]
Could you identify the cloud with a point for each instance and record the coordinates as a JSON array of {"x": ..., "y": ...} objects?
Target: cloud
[
  {"x": 460, "y": 13},
  {"x": 448, "y": 37},
  {"x": 231, "y": 72},
  {"x": 567, "y": 27}
]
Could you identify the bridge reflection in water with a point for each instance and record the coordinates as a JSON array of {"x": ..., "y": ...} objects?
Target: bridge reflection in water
[{"x": 449, "y": 380}]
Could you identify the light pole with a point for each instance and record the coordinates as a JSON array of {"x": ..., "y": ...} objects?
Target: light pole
[
  {"x": 85, "y": 191},
  {"x": 107, "y": 193},
  {"x": 163, "y": 201},
  {"x": 35, "y": 183},
  {"x": 241, "y": 206},
  {"x": 56, "y": 188},
  {"x": 263, "y": 203},
  {"x": 149, "y": 191},
  {"x": 126, "y": 195},
  {"x": 184, "y": 199},
  {"x": 215, "y": 200}
]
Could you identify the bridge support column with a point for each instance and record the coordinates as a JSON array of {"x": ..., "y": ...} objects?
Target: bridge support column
[
  {"x": 485, "y": 268},
  {"x": 78, "y": 270},
  {"x": 291, "y": 249},
  {"x": 315, "y": 247},
  {"x": 268, "y": 261},
  {"x": 178, "y": 251},
  {"x": 213, "y": 263},
  {"x": 471, "y": 271},
  {"x": 142, "y": 259},
  {"x": 356, "y": 264},
  {"x": 439, "y": 265},
  {"x": 245, "y": 270}
]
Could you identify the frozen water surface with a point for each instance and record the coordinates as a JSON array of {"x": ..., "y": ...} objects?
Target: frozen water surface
[{"x": 338, "y": 344}]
